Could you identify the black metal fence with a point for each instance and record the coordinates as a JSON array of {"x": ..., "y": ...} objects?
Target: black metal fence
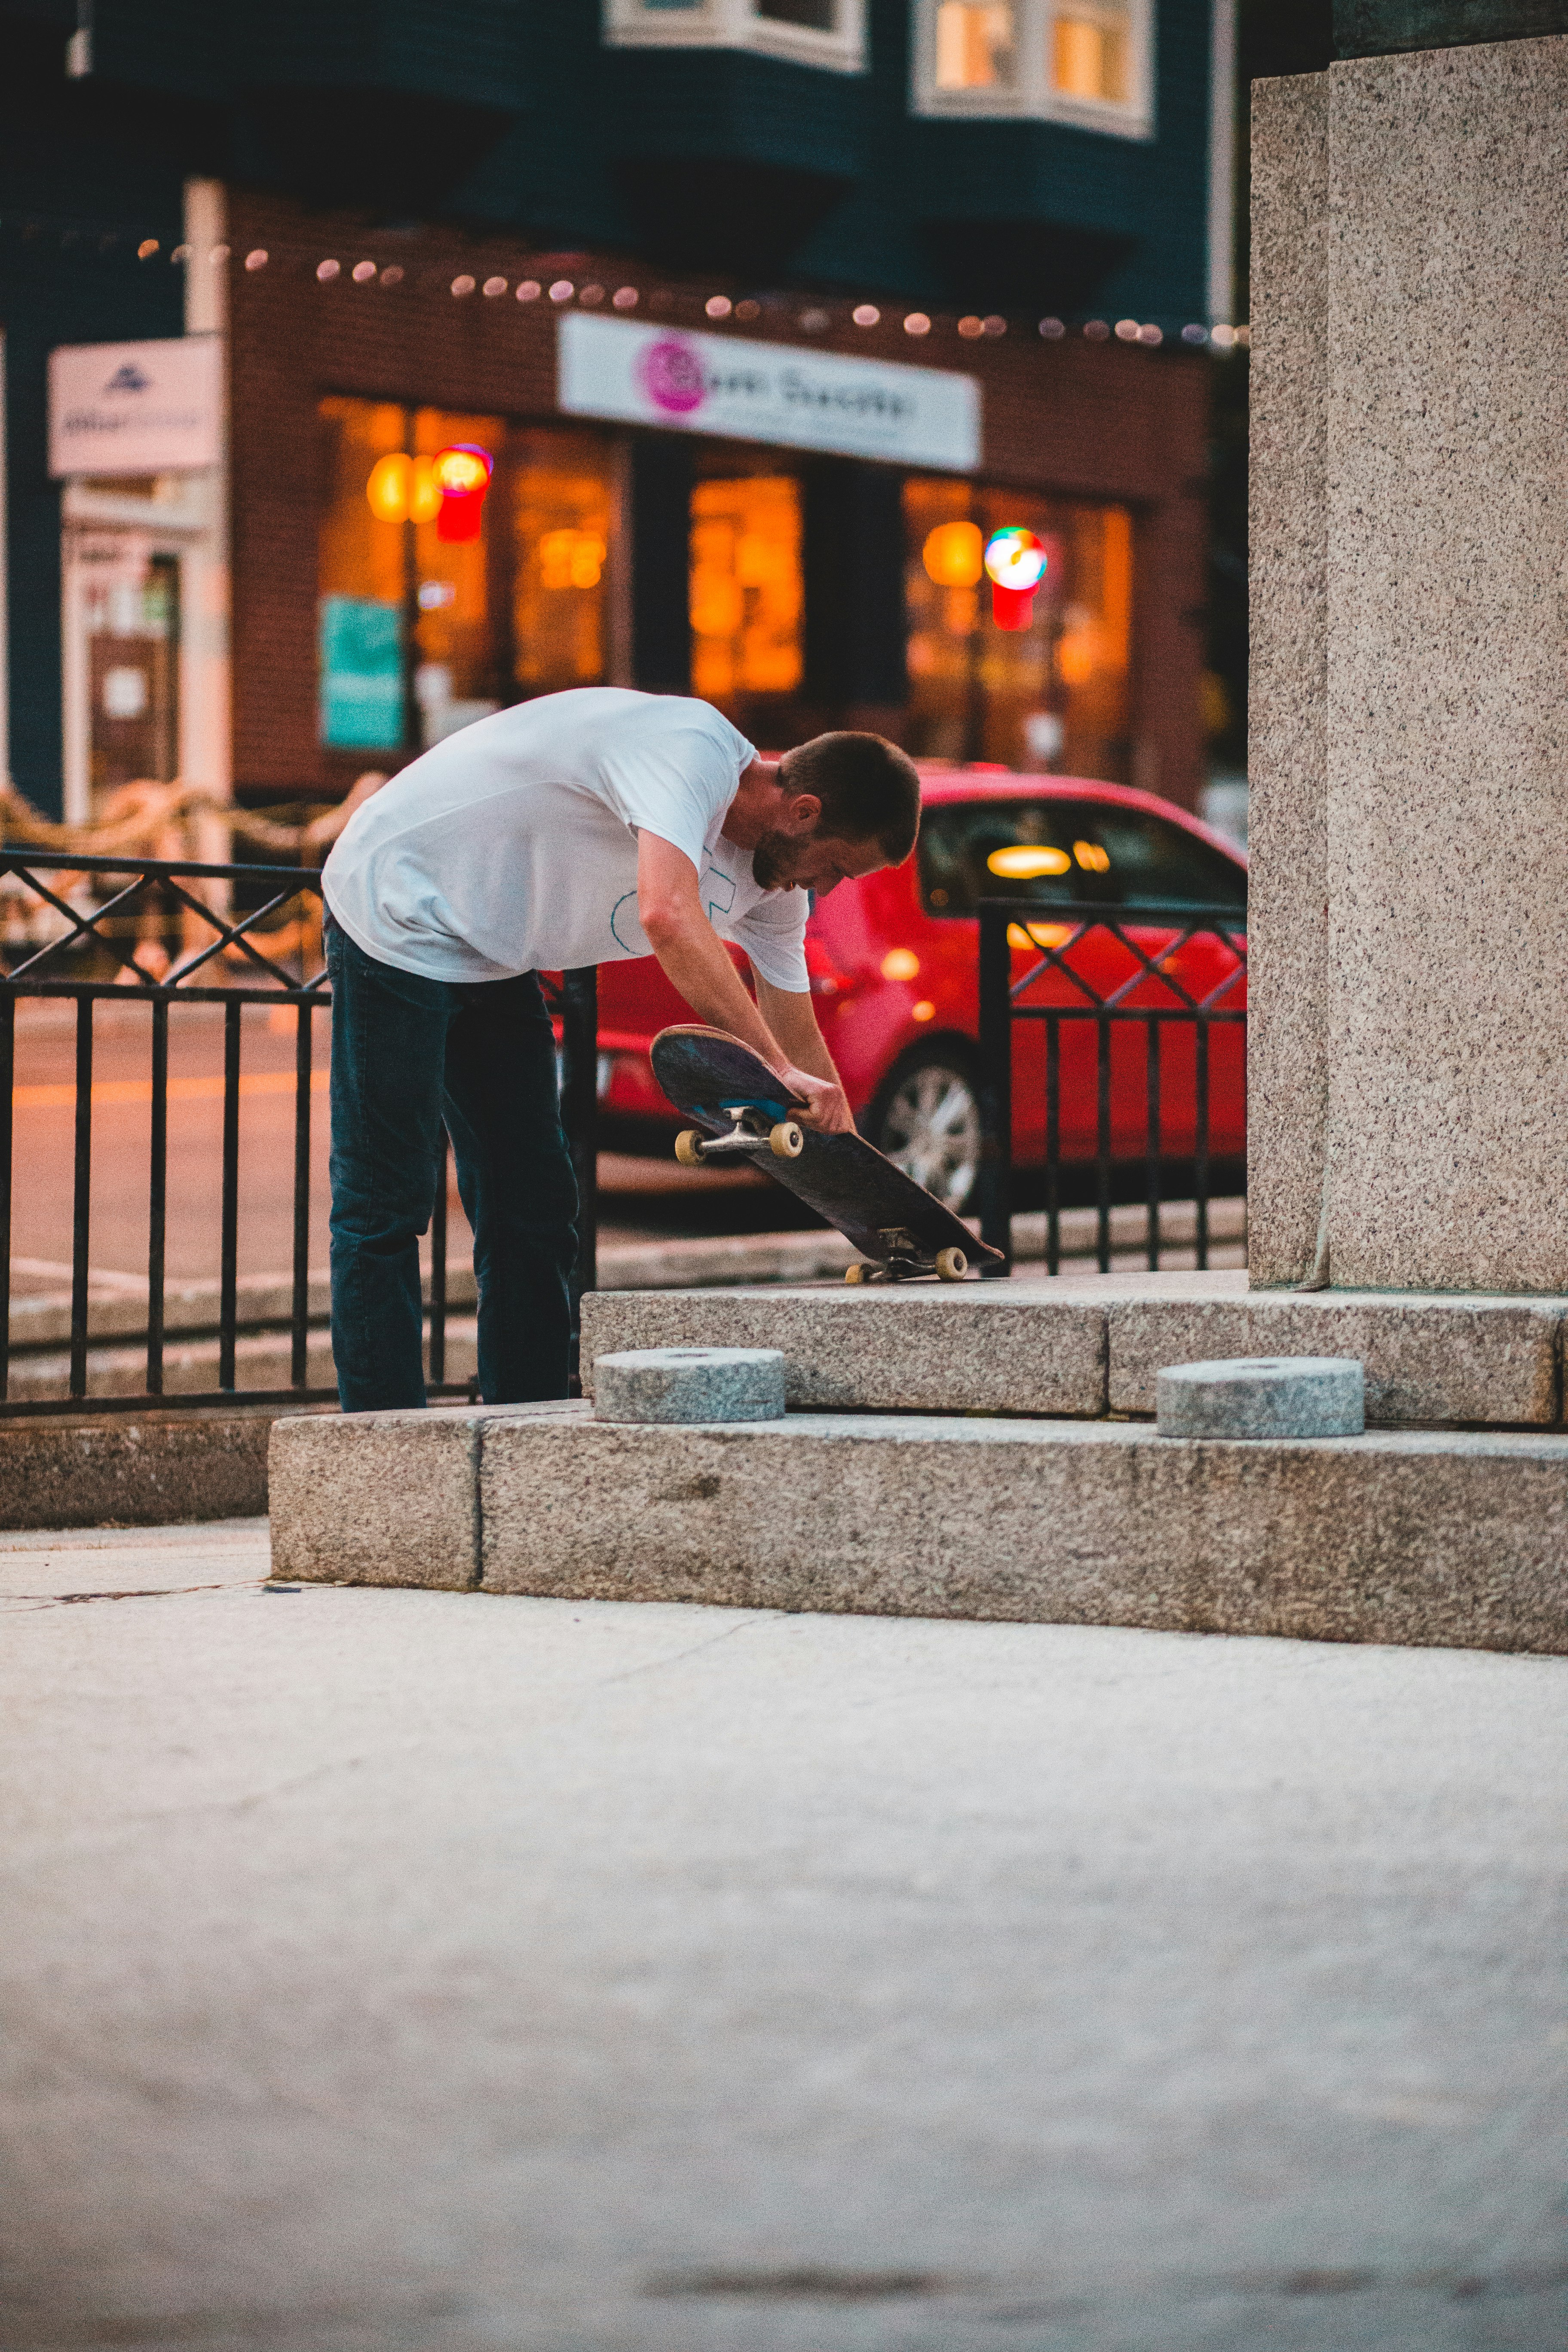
[
  {"x": 1138, "y": 999},
  {"x": 147, "y": 931}
]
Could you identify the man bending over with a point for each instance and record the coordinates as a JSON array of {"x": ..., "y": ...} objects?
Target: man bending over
[{"x": 579, "y": 828}]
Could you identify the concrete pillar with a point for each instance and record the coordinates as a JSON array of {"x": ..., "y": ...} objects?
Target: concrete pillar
[
  {"x": 1410, "y": 843},
  {"x": 1286, "y": 1064}
]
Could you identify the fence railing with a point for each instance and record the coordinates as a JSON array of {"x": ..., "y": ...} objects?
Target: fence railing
[
  {"x": 1119, "y": 995},
  {"x": 89, "y": 931}
]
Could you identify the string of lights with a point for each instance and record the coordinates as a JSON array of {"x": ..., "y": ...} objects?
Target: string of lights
[{"x": 808, "y": 314}]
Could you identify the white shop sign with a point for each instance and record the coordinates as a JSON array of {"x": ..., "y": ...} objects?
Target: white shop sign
[
  {"x": 749, "y": 391},
  {"x": 135, "y": 408}
]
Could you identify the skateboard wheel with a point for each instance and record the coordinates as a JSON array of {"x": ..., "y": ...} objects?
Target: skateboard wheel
[
  {"x": 689, "y": 1147},
  {"x": 855, "y": 1273},
  {"x": 787, "y": 1139},
  {"x": 951, "y": 1266}
]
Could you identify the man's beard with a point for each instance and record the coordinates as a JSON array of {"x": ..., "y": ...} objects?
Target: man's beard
[{"x": 772, "y": 862}]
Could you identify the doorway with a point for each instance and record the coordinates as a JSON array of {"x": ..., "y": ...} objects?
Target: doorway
[{"x": 122, "y": 667}]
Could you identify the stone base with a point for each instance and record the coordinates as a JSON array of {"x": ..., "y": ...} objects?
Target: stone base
[
  {"x": 1092, "y": 1344},
  {"x": 134, "y": 1470},
  {"x": 1457, "y": 1540}
]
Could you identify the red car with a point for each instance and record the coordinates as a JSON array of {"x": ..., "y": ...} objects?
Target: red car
[{"x": 893, "y": 965}]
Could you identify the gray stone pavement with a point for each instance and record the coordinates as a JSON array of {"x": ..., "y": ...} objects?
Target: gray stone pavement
[{"x": 403, "y": 1971}]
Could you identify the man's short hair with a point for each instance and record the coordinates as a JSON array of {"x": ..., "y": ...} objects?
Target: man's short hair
[{"x": 870, "y": 790}]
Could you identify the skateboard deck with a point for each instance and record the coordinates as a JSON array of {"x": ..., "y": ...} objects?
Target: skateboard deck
[{"x": 742, "y": 1110}]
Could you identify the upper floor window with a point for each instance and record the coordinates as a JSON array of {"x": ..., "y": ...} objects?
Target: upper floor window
[
  {"x": 1083, "y": 61},
  {"x": 829, "y": 33}
]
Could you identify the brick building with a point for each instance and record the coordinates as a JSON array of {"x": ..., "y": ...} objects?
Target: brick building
[{"x": 922, "y": 271}]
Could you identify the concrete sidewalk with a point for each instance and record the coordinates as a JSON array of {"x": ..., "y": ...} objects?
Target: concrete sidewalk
[{"x": 403, "y": 1971}]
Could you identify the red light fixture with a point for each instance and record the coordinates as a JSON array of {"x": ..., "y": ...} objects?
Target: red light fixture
[
  {"x": 1015, "y": 562},
  {"x": 462, "y": 475}
]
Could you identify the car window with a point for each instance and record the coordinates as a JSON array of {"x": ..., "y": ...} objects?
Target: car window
[
  {"x": 1017, "y": 849},
  {"x": 1053, "y": 852},
  {"x": 1156, "y": 864}
]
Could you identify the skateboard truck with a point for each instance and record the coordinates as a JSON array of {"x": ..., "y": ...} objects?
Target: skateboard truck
[
  {"x": 750, "y": 1133},
  {"x": 905, "y": 1261}
]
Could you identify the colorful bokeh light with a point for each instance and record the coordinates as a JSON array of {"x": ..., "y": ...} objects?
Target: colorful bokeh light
[
  {"x": 462, "y": 475},
  {"x": 1015, "y": 559}
]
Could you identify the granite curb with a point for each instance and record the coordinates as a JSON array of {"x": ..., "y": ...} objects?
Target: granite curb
[{"x": 1440, "y": 1540}]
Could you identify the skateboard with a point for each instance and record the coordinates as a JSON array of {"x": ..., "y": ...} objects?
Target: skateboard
[{"x": 745, "y": 1112}]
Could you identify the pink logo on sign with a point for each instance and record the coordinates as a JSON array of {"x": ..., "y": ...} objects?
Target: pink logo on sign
[{"x": 671, "y": 374}]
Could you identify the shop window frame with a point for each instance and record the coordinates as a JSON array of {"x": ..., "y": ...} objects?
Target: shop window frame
[
  {"x": 739, "y": 25},
  {"x": 1032, "y": 95},
  {"x": 508, "y": 434}
]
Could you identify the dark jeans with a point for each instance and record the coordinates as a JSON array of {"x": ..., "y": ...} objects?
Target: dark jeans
[{"x": 406, "y": 1052}]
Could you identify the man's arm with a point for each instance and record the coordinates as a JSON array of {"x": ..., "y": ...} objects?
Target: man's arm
[
  {"x": 792, "y": 1017},
  {"x": 696, "y": 961}
]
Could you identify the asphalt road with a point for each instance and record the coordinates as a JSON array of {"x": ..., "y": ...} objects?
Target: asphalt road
[{"x": 399, "y": 1971}]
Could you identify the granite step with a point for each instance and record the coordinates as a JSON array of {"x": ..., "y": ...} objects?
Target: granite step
[
  {"x": 1090, "y": 1345},
  {"x": 1456, "y": 1539}
]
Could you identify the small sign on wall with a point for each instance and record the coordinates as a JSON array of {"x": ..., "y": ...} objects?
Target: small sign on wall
[
  {"x": 135, "y": 408},
  {"x": 747, "y": 390}
]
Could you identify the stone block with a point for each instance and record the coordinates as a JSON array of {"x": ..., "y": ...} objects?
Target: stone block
[
  {"x": 1426, "y": 1358},
  {"x": 1408, "y": 213},
  {"x": 973, "y": 1347},
  {"x": 1448, "y": 724},
  {"x": 680, "y": 1384},
  {"x": 1287, "y": 1048},
  {"x": 134, "y": 1469},
  {"x": 380, "y": 1497},
  {"x": 1262, "y": 1396},
  {"x": 1452, "y": 1540}
]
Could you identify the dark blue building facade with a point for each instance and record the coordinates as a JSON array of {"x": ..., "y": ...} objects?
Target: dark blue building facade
[{"x": 768, "y": 153}]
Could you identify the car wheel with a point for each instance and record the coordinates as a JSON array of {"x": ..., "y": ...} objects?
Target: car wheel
[{"x": 928, "y": 1123}]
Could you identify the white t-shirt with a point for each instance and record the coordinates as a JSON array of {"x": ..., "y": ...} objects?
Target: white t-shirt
[{"x": 512, "y": 846}]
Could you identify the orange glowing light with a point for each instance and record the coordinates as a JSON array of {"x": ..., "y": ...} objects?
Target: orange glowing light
[
  {"x": 1026, "y": 863},
  {"x": 924, "y": 1011},
  {"x": 403, "y": 490},
  {"x": 571, "y": 559},
  {"x": 1091, "y": 858},
  {"x": 1076, "y": 656},
  {"x": 954, "y": 554},
  {"x": 901, "y": 963},
  {"x": 387, "y": 488}
]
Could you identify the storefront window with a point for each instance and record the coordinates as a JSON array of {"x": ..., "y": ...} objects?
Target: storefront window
[
  {"x": 364, "y": 583},
  {"x": 747, "y": 593},
  {"x": 1051, "y": 697},
  {"x": 562, "y": 508},
  {"x": 425, "y": 628}
]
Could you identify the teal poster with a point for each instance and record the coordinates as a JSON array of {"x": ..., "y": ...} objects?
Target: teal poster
[{"x": 362, "y": 674}]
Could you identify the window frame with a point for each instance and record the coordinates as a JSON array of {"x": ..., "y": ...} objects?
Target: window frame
[
  {"x": 1033, "y": 97},
  {"x": 736, "y": 25}
]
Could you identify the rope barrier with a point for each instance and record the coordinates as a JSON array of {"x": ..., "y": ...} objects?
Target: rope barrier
[{"x": 137, "y": 815}]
